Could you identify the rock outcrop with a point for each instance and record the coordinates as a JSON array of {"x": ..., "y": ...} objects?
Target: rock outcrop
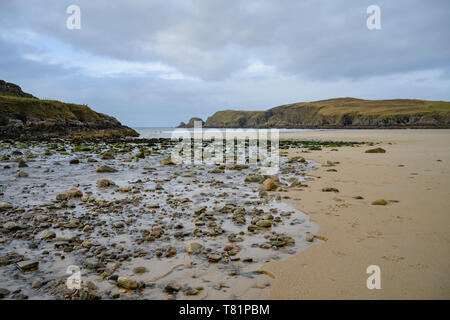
[
  {"x": 191, "y": 122},
  {"x": 11, "y": 89},
  {"x": 340, "y": 113},
  {"x": 24, "y": 116}
]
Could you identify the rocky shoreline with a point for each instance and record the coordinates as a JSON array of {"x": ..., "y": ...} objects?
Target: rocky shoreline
[{"x": 138, "y": 226}]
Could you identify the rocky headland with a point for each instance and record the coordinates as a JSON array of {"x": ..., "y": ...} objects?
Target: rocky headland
[
  {"x": 340, "y": 113},
  {"x": 24, "y": 116}
]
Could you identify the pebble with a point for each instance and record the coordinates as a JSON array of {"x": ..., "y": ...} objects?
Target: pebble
[
  {"x": 93, "y": 263},
  {"x": 140, "y": 270},
  {"x": 329, "y": 189},
  {"x": 22, "y": 164},
  {"x": 269, "y": 185},
  {"x": 127, "y": 283},
  {"x": 379, "y": 202},
  {"x": 5, "y": 205},
  {"x": 376, "y": 150},
  {"x": 172, "y": 287},
  {"x": 3, "y": 292},
  {"x": 48, "y": 234},
  {"x": 22, "y": 174},
  {"x": 105, "y": 169},
  {"x": 194, "y": 248},
  {"x": 28, "y": 265},
  {"x": 170, "y": 252},
  {"x": 167, "y": 161},
  {"x": 214, "y": 257},
  {"x": 309, "y": 237},
  {"x": 105, "y": 183},
  {"x": 264, "y": 223},
  {"x": 11, "y": 226}
]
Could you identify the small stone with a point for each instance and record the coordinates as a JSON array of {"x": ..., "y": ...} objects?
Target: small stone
[
  {"x": 358, "y": 198},
  {"x": 379, "y": 202},
  {"x": 42, "y": 218},
  {"x": 140, "y": 270},
  {"x": 172, "y": 287},
  {"x": 62, "y": 196},
  {"x": 48, "y": 234},
  {"x": 36, "y": 284},
  {"x": 74, "y": 193},
  {"x": 264, "y": 223},
  {"x": 376, "y": 150},
  {"x": 191, "y": 292},
  {"x": 93, "y": 263},
  {"x": 22, "y": 164},
  {"x": 105, "y": 183},
  {"x": 125, "y": 189},
  {"x": 127, "y": 283},
  {"x": 74, "y": 161},
  {"x": 4, "y": 261},
  {"x": 296, "y": 159},
  {"x": 309, "y": 237},
  {"x": 107, "y": 155},
  {"x": 119, "y": 224},
  {"x": 5, "y": 205},
  {"x": 11, "y": 226},
  {"x": 22, "y": 174},
  {"x": 194, "y": 248},
  {"x": 269, "y": 185},
  {"x": 254, "y": 178},
  {"x": 28, "y": 265},
  {"x": 215, "y": 257},
  {"x": 104, "y": 169},
  {"x": 3, "y": 292},
  {"x": 277, "y": 243},
  {"x": 86, "y": 244},
  {"x": 167, "y": 161},
  {"x": 170, "y": 252},
  {"x": 329, "y": 189},
  {"x": 200, "y": 210}
]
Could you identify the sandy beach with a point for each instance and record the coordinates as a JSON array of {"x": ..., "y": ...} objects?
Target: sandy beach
[{"x": 408, "y": 239}]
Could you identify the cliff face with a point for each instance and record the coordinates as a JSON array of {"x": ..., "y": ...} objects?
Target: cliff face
[
  {"x": 23, "y": 115},
  {"x": 11, "y": 89},
  {"x": 340, "y": 113}
]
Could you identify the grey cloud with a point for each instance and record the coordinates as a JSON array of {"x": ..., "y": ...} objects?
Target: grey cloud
[
  {"x": 215, "y": 39},
  {"x": 317, "y": 50}
]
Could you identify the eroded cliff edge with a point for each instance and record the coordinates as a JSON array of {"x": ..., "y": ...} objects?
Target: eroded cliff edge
[{"x": 24, "y": 116}]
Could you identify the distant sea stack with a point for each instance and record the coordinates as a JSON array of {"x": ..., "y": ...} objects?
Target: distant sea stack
[
  {"x": 24, "y": 116},
  {"x": 339, "y": 113},
  {"x": 190, "y": 124}
]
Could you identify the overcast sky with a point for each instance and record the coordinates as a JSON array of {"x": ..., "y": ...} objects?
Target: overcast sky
[{"x": 156, "y": 63}]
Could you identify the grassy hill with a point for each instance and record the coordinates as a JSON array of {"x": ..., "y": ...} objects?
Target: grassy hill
[{"x": 340, "y": 113}]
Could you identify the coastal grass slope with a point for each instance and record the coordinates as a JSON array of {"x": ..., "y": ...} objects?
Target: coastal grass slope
[
  {"x": 23, "y": 115},
  {"x": 340, "y": 113}
]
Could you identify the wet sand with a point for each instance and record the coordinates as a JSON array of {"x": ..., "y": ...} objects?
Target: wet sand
[{"x": 408, "y": 240}]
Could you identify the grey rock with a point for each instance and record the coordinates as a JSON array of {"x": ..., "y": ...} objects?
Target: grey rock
[
  {"x": 48, "y": 234},
  {"x": 93, "y": 263},
  {"x": 28, "y": 264},
  {"x": 3, "y": 292}
]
